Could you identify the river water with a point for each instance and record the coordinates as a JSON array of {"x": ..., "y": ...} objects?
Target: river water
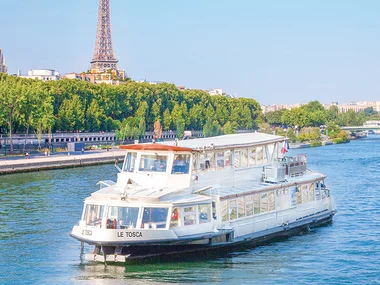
[{"x": 38, "y": 210}]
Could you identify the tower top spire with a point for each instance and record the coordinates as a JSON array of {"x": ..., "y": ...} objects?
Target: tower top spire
[
  {"x": 3, "y": 67},
  {"x": 104, "y": 58}
]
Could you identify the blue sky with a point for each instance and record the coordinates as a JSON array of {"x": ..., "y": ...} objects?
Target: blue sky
[{"x": 277, "y": 52}]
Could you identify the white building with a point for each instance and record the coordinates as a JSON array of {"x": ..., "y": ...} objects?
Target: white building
[
  {"x": 215, "y": 91},
  {"x": 43, "y": 74},
  {"x": 358, "y": 106}
]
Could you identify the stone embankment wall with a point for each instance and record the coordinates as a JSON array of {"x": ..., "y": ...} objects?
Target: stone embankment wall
[{"x": 55, "y": 162}]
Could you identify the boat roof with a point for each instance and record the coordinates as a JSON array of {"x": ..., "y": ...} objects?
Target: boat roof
[
  {"x": 154, "y": 147},
  {"x": 228, "y": 141}
]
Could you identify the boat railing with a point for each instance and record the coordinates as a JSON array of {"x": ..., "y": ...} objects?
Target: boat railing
[
  {"x": 326, "y": 192},
  {"x": 105, "y": 183},
  {"x": 295, "y": 165}
]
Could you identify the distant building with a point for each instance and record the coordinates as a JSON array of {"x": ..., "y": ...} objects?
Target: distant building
[
  {"x": 42, "y": 74},
  {"x": 3, "y": 67},
  {"x": 79, "y": 76},
  {"x": 97, "y": 78},
  {"x": 216, "y": 91},
  {"x": 149, "y": 82},
  {"x": 277, "y": 107},
  {"x": 357, "y": 106}
]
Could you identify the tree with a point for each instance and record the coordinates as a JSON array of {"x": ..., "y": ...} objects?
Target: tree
[
  {"x": 9, "y": 103},
  {"x": 274, "y": 117},
  {"x": 180, "y": 127},
  {"x": 94, "y": 117},
  {"x": 291, "y": 135},
  {"x": 71, "y": 114},
  {"x": 228, "y": 128},
  {"x": 167, "y": 120}
]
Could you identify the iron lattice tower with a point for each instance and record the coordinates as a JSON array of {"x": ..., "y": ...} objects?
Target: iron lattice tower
[{"x": 104, "y": 58}]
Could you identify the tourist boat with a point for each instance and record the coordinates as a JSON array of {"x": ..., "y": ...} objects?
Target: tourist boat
[{"x": 203, "y": 194}]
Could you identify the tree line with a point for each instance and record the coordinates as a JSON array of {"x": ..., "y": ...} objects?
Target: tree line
[
  {"x": 33, "y": 106},
  {"x": 308, "y": 119}
]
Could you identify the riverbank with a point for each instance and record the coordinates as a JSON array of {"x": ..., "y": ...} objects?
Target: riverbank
[{"x": 38, "y": 163}]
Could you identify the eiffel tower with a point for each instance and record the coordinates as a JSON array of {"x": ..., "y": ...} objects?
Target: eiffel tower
[
  {"x": 3, "y": 67},
  {"x": 104, "y": 58}
]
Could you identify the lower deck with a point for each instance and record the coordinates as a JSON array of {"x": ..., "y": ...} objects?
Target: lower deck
[{"x": 218, "y": 245}]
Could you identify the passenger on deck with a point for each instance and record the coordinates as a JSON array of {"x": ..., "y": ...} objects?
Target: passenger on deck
[
  {"x": 156, "y": 165},
  {"x": 162, "y": 166},
  {"x": 179, "y": 161}
]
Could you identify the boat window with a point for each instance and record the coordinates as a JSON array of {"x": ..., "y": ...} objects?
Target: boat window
[
  {"x": 248, "y": 205},
  {"x": 189, "y": 209},
  {"x": 224, "y": 210},
  {"x": 259, "y": 155},
  {"x": 317, "y": 190},
  {"x": 204, "y": 213},
  {"x": 174, "y": 221},
  {"x": 189, "y": 216},
  {"x": 311, "y": 192},
  {"x": 298, "y": 195},
  {"x": 181, "y": 164},
  {"x": 220, "y": 159},
  {"x": 232, "y": 210},
  {"x": 93, "y": 214},
  {"x": 293, "y": 196},
  {"x": 252, "y": 156},
  {"x": 214, "y": 210},
  {"x": 264, "y": 203},
  {"x": 241, "y": 210},
  {"x": 227, "y": 158},
  {"x": 265, "y": 157},
  {"x": 271, "y": 201},
  {"x": 154, "y": 218},
  {"x": 305, "y": 194},
  {"x": 237, "y": 158},
  {"x": 130, "y": 161},
  {"x": 122, "y": 217},
  {"x": 244, "y": 157},
  {"x": 155, "y": 163},
  {"x": 270, "y": 148},
  {"x": 256, "y": 203}
]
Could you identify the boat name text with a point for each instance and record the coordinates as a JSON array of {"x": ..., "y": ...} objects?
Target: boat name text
[
  {"x": 86, "y": 233},
  {"x": 129, "y": 234}
]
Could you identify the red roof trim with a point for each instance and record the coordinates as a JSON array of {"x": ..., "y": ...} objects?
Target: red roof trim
[{"x": 155, "y": 147}]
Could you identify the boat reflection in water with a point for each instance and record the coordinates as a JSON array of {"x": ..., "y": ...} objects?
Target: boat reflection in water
[{"x": 211, "y": 194}]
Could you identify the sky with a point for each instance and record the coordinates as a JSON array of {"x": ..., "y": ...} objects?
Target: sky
[{"x": 274, "y": 51}]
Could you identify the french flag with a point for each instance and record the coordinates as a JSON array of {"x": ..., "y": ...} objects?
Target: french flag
[{"x": 284, "y": 147}]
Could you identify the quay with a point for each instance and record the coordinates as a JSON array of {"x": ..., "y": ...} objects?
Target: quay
[{"x": 38, "y": 163}]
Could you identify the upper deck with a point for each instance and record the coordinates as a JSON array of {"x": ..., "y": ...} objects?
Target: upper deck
[
  {"x": 228, "y": 165},
  {"x": 228, "y": 141}
]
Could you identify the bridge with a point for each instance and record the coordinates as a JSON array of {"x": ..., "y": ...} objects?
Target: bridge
[{"x": 359, "y": 128}]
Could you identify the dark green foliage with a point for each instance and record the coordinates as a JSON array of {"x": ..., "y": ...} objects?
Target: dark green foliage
[{"x": 71, "y": 105}]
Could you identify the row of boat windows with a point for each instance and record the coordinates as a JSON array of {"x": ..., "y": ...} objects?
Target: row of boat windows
[
  {"x": 157, "y": 163},
  {"x": 152, "y": 218},
  {"x": 191, "y": 215},
  {"x": 304, "y": 194},
  {"x": 239, "y": 158},
  {"x": 247, "y": 206},
  {"x": 258, "y": 203}
]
